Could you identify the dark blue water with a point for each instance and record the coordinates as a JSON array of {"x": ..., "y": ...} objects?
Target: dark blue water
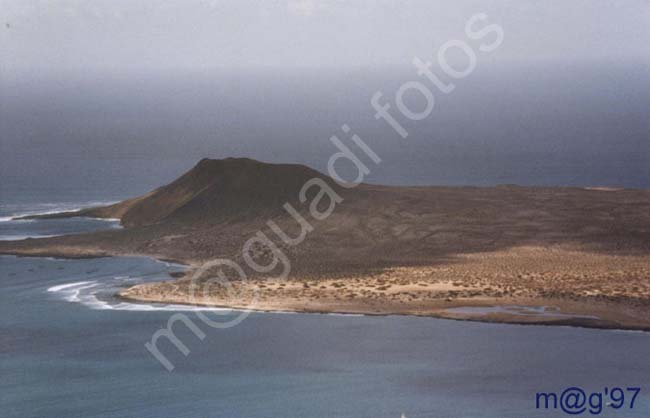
[
  {"x": 69, "y": 349},
  {"x": 62, "y": 357},
  {"x": 103, "y": 136}
]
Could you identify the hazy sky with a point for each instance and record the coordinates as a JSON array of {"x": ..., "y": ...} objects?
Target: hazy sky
[
  {"x": 83, "y": 84},
  {"x": 119, "y": 35}
]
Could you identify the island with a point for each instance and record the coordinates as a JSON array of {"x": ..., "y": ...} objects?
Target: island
[{"x": 303, "y": 242}]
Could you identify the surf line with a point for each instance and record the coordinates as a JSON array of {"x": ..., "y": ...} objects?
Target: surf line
[{"x": 258, "y": 249}]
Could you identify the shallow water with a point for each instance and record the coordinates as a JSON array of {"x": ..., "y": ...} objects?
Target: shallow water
[
  {"x": 67, "y": 348},
  {"x": 540, "y": 311}
]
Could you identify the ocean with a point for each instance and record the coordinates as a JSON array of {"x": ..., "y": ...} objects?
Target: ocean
[
  {"x": 98, "y": 136},
  {"x": 69, "y": 349}
]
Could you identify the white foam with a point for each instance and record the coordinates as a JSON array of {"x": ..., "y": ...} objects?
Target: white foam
[
  {"x": 72, "y": 291},
  {"x": 86, "y": 292},
  {"x": 127, "y": 306},
  {"x": 15, "y": 218},
  {"x": 57, "y": 208},
  {"x": 61, "y": 287},
  {"x": 54, "y": 212},
  {"x": 23, "y": 237},
  {"x": 172, "y": 264}
]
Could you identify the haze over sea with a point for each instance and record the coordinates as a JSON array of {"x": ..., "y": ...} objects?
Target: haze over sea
[
  {"x": 106, "y": 100},
  {"x": 88, "y": 137},
  {"x": 67, "y": 348}
]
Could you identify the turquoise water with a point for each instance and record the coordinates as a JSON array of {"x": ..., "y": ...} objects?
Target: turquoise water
[
  {"x": 62, "y": 358},
  {"x": 68, "y": 349}
]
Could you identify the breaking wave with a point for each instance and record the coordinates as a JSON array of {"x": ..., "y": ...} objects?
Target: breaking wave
[
  {"x": 11, "y": 212},
  {"x": 100, "y": 295}
]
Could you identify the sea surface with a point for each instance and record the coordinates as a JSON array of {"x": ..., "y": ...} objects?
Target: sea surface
[
  {"x": 68, "y": 348},
  {"x": 97, "y": 137}
]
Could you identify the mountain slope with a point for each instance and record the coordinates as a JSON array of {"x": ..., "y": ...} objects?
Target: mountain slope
[
  {"x": 413, "y": 250},
  {"x": 214, "y": 191}
]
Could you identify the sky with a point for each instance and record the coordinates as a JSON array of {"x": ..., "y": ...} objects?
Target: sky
[
  {"x": 89, "y": 86},
  {"x": 40, "y": 36}
]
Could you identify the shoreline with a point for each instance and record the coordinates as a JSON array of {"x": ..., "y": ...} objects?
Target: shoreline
[
  {"x": 436, "y": 308},
  {"x": 582, "y": 314},
  {"x": 576, "y": 322},
  {"x": 568, "y": 256}
]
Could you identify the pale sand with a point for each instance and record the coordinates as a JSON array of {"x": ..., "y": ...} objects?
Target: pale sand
[
  {"x": 388, "y": 249},
  {"x": 613, "y": 289}
]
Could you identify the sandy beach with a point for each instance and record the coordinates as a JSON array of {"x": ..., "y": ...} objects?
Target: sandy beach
[
  {"x": 569, "y": 256},
  {"x": 528, "y": 285}
]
